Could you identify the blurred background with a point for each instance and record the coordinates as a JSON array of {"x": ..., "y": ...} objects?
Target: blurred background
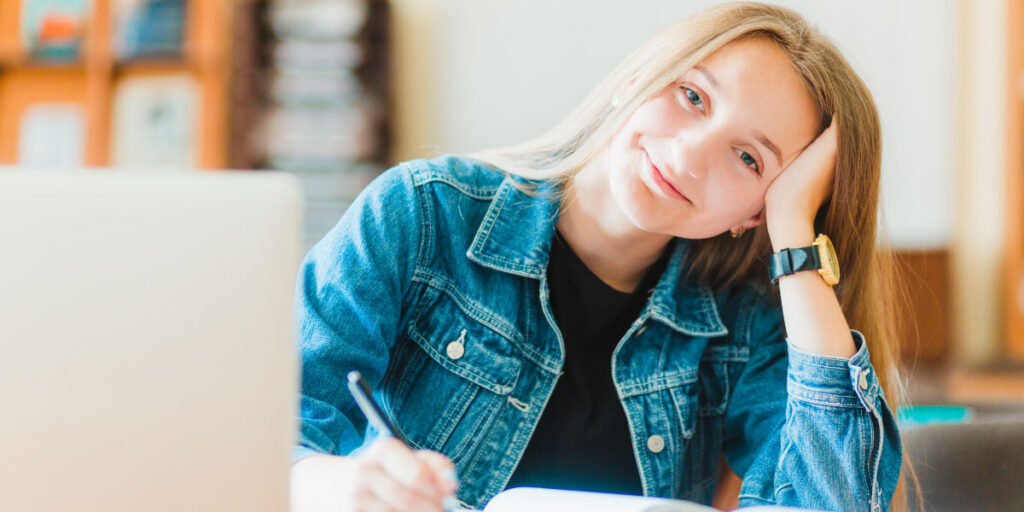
[{"x": 336, "y": 91}]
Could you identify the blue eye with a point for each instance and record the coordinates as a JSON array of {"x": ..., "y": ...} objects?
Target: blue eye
[
  {"x": 693, "y": 98},
  {"x": 749, "y": 161}
]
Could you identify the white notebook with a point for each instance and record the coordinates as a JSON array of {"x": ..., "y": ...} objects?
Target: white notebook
[{"x": 531, "y": 499}]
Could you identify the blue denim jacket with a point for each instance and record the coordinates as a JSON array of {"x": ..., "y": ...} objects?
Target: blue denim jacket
[{"x": 433, "y": 286}]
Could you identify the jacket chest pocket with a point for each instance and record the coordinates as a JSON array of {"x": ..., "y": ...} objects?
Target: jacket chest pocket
[
  {"x": 698, "y": 396},
  {"x": 711, "y": 395},
  {"x": 456, "y": 374}
]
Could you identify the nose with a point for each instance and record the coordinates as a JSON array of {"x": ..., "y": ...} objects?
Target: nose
[{"x": 690, "y": 155}]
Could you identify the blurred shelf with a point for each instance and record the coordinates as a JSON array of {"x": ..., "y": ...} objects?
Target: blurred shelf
[
  {"x": 23, "y": 62},
  {"x": 177, "y": 63},
  {"x": 991, "y": 387},
  {"x": 206, "y": 49}
]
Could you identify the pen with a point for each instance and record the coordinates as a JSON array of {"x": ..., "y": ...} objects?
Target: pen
[{"x": 364, "y": 399}]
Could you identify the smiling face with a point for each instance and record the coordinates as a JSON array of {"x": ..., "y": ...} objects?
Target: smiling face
[{"x": 696, "y": 158}]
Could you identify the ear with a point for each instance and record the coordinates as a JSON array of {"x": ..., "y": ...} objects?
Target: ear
[{"x": 756, "y": 220}]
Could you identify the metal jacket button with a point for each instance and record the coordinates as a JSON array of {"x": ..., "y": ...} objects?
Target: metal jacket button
[
  {"x": 864, "y": 378},
  {"x": 655, "y": 444},
  {"x": 457, "y": 348}
]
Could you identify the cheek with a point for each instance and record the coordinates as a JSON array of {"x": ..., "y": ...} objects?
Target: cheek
[
  {"x": 661, "y": 117},
  {"x": 735, "y": 202}
]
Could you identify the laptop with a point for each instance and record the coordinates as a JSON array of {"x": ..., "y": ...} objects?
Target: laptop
[{"x": 147, "y": 356}]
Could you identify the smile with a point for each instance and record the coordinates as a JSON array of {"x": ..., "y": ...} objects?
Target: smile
[{"x": 663, "y": 183}]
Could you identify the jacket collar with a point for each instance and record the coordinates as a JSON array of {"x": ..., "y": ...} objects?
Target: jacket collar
[{"x": 515, "y": 237}]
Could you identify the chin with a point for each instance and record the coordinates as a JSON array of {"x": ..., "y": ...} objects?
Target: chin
[
  {"x": 643, "y": 209},
  {"x": 636, "y": 202}
]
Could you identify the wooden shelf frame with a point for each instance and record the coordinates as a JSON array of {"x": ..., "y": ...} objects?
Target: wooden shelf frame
[{"x": 91, "y": 80}]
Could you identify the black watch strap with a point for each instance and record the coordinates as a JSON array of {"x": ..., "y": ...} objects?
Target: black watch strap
[{"x": 791, "y": 261}]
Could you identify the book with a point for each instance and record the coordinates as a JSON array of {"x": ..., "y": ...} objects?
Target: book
[
  {"x": 148, "y": 28},
  {"x": 54, "y": 29},
  {"x": 521, "y": 499},
  {"x": 154, "y": 122},
  {"x": 52, "y": 135}
]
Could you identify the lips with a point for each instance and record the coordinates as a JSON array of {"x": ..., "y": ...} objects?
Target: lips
[{"x": 663, "y": 182}]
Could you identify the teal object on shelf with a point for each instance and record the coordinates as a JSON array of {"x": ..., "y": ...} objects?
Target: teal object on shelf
[{"x": 927, "y": 414}]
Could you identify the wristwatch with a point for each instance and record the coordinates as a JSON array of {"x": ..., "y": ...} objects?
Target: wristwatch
[{"x": 820, "y": 256}]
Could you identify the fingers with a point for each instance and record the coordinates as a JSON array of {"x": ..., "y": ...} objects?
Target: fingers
[
  {"x": 364, "y": 500},
  {"x": 393, "y": 495},
  {"x": 402, "y": 479},
  {"x": 402, "y": 464},
  {"x": 443, "y": 469}
]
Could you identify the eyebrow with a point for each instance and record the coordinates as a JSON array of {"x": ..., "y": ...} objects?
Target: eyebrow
[
  {"x": 762, "y": 138},
  {"x": 707, "y": 74},
  {"x": 768, "y": 143}
]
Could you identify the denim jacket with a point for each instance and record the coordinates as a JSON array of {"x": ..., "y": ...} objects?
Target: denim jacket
[{"x": 433, "y": 285}]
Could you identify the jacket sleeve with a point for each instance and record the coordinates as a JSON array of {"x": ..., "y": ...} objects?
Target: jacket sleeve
[
  {"x": 349, "y": 300},
  {"x": 810, "y": 431}
]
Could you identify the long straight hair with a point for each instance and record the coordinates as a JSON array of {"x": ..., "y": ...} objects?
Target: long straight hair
[{"x": 869, "y": 293}]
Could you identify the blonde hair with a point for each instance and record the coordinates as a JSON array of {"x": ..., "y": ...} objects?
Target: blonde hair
[{"x": 869, "y": 293}]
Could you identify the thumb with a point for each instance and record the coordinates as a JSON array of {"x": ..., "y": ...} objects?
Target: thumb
[{"x": 443, "y": 469}]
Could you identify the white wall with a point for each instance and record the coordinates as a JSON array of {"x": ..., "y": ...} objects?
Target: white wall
[{"x": 505, "y": 70}]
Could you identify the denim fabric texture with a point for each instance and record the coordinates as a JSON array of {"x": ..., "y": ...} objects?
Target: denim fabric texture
[{"x": 433, "y": 286}]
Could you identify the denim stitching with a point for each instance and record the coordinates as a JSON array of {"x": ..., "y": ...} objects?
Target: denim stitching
[
  {"x": 813, "y": 361},
  {"x": 433, "y": 176},
  {"x": 395, "y": 375},
  {"x": 721, "y": 374},
  {"x": 729, "y": 353},
  {"x": 518, "y": 339},
  {"x": 812, "y": 395},
  {"x": 487, "y": 418},
  {"x": 755, "y": 497},
  {"x": 658, "y": 383},
  {"x": 783, "y": 487},
  {"x": 472, "y": 308},
  {"x": 876, "y": 461},
  {"x": 456, "y": 411},
  {"x": 707, "y": 307},
  {"x": 426, "y": 214},
  {"x": 484, "y": 233},
  {"x": 786, "y": 427},
  {"x": 463, "y": 370},
  {"x": 520, "y": 438},
  {"x": 668, "y": 318},
  {"x": 686, "y": 429}
]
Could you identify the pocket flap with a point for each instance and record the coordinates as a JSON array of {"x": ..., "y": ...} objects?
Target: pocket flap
[{"x": 485, "y": 357}]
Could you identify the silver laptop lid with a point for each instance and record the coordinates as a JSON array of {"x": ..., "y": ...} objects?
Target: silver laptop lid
[{"x": 146, "y": 344}]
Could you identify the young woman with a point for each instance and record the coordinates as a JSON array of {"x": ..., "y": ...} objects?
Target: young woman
[{"x": 630, "y": 303}]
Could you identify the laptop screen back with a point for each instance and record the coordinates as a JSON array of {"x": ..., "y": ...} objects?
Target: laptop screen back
[{"x": 146, "y": 343}]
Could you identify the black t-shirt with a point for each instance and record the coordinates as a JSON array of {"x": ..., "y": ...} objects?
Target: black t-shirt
[{"x": 582, "y": 440}]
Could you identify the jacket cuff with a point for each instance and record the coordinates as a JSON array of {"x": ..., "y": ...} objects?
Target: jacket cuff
[{"x": 834, "y": 381}]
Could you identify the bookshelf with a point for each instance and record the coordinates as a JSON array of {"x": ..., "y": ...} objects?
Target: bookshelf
[
  {"x": 301, "y": 86},
  {"x": 311, "y": 96},
  {"x": 89, "y": 81}
]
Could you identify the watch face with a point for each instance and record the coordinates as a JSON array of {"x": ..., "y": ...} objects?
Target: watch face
[{"x": 829, "y": 262}]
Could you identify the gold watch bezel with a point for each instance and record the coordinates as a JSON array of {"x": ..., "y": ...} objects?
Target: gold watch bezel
[{"x": 829, "y": 261}]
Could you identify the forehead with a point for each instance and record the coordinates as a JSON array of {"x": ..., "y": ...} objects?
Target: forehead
[{"x": 756, "y": 88}]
